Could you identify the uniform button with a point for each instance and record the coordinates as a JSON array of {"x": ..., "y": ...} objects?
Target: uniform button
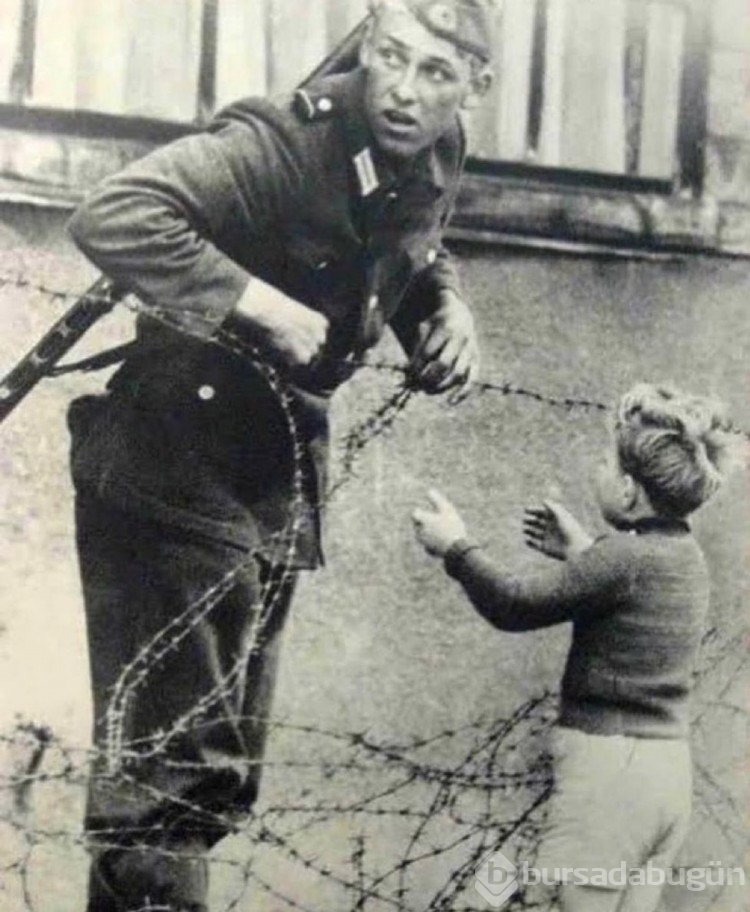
[
  {"x": 373, "y": 302},
  {"x": 322, "y": 264},
  {"x": 431, "y": 255},
  {"x": 325, "y": 105},
  {"x": 206, "y": 393},
  {"x": 393, "y": 195}
]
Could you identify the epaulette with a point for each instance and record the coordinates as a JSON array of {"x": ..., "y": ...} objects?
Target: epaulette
[{"x": 311, "y": 106}]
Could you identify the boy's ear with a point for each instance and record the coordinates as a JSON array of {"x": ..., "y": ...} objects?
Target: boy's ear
[{"x": 629, "y": 492}]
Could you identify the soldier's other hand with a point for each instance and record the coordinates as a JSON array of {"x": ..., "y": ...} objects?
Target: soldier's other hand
[
  {"x": 447, "y": 354},
  {"x": 291, "y": 330},
  {"x": 439, "y": 528}
]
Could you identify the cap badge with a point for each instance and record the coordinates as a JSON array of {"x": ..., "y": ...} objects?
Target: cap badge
[{"x": 443, "y": 17}]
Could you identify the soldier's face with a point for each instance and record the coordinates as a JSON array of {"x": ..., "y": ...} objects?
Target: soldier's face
[{"x": 416, "y": 83}]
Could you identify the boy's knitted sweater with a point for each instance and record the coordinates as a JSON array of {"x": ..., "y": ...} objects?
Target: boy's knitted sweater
[{"x": 637, "y": 602}]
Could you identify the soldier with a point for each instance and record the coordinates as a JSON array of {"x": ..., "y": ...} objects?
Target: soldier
[{"x": 304, "y": 225}]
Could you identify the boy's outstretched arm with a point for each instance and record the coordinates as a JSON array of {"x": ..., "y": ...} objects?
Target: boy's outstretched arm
[
  {"x": 440, "y": 528},
  {"x": 554, "y": 531},
  {"x": 558, "y": 593}
]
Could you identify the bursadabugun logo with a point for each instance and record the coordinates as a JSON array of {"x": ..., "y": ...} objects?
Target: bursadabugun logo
[{"x": 496, "y": 879}]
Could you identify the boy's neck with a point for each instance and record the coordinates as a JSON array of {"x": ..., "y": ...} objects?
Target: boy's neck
[
  {"x": 656, "y": 523},
  {"x": 648, "y": 520}
]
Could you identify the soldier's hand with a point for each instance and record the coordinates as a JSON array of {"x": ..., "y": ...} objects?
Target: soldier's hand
[
  {"x": 447, "y": 355},
  {"x": 291, "y": 330}
]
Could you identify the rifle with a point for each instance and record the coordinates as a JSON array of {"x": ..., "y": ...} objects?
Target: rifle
[
  {"x": 103, "y": 295},
  {"x": 97, "y": 301}
]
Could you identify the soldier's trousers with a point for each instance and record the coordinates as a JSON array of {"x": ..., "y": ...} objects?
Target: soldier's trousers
[{"x": 182, "y": 691}]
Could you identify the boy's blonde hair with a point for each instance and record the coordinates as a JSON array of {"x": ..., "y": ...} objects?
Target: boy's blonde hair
[{"x": 678, "y": 447}]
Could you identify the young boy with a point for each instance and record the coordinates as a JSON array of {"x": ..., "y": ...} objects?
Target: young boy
[{"x": 637, "y": 599}]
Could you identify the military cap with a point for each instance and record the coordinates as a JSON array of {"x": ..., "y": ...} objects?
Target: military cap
[{"x": 465, "y": 23}]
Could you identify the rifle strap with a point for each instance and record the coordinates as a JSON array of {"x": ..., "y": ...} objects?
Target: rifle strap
[{"x": 96, "y": 362}]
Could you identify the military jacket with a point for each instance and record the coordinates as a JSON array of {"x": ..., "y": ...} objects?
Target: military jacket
[{"x": 292, "y": 191}]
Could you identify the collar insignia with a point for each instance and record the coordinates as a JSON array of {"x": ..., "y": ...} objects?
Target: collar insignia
[
  {"x": 304, "y": 104},
  {"x": 366, "y": 173}
]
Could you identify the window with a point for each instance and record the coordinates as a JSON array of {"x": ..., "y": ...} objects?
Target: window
[
  {"x": 163, "y": 59},
  {"x": 604, "y": 92},
  {"x": 606, "y": 87}
]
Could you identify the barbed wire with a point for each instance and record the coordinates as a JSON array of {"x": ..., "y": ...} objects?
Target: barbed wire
[
  {"x": 488, "y": 793},
  {"x": 383, "y": 761},
  {"x": 503, "y": 387}
]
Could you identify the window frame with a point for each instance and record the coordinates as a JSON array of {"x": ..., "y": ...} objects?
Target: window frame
[
  {"x": 691, "y": 129},
  {"x": 500, "y": 201},
  {"x": 692, "y": 125}
]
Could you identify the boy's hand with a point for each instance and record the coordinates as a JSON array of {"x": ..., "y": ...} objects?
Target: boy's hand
[
  {"x": 439, "y": 528},
  {"x": 552, "y": 530}
]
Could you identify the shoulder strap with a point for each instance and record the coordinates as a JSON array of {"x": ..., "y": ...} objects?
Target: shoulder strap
[{"x": 96, "y": 362}]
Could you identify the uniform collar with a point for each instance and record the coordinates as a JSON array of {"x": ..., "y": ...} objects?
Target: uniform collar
[{"x": 370, "y": 167}]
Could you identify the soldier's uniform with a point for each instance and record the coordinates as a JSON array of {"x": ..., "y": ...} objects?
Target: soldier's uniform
[
  {"x": 291, "y": 192},
  {"x": 185, "y": 465}
]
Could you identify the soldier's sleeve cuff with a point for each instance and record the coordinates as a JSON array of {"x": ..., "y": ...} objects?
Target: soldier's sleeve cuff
[{"x": 443, "y": 276}]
